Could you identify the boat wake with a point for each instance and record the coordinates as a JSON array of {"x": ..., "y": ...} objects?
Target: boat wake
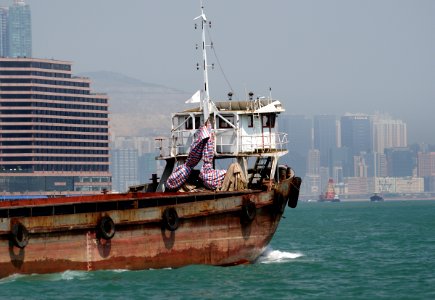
[
  {"x": 67, "y": 276},
  {"x": 276, "y": 256}
]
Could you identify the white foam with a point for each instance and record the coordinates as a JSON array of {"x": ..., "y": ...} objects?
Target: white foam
[
  {"x": 67, "y": 275},
  {"x": 276, "y": 256},
  {"x": 11, "y": 278}
]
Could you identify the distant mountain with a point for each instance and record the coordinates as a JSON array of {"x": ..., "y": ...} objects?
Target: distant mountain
[{"x": 137, "y": 108}]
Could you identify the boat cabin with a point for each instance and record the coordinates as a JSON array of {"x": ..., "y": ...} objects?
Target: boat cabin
[{"x": 241, "y": 129}]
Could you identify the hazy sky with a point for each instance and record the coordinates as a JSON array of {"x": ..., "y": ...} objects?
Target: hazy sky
[{"x": 325, "y": 56}]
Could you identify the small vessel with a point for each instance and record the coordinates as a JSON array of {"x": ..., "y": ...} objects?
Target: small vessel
[
  {"x": 190, "y": 216},
  {"x": 376, "y": 198},
  {"x": 329, "y": 195}
]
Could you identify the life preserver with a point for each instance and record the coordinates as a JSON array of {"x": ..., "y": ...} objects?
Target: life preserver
[
  {"x": 106, "y": 228},
  {"x": 249, "y": 212},
  {"x": 19, "y": 235},
  {"x": 294, "y": 192},
  {"x": 279, "y": 203},
  {"x": 170, "y": 219}
]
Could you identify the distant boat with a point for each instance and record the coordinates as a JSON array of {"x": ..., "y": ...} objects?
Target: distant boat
[
  {"x": 329, "y": 195},
  {"x": 376, "y": 198}
]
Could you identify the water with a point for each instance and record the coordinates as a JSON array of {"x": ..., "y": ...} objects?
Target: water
[{"x": 347, "y": 250}]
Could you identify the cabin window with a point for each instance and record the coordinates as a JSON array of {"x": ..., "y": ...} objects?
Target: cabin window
[
  {"x": 251, "y": 121},
  {"x": 224, "y": 124},
  {"x": 197, "y": 122},
  {"x": 189, "y": 123},
  {"x": 268, "y": 120}
]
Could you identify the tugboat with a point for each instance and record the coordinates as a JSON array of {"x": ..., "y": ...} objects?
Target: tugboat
[
  {"x": 376, "y": 198},
  {"x": 195, "y": 214},
  {"x": 329, "y": 195}
]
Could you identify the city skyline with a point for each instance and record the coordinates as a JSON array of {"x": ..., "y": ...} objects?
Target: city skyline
[{"x": 331, "y": 57}]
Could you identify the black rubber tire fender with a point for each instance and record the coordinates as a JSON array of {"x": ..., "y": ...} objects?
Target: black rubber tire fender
[
  {"x": 19, "y": 235},
  {"x": 106, "y": 228},
  {"x": 279, "y": 203},
  {"x": 249, "y": 212},
  {"x": 170, "y": 219},
  {"x": 294, "y": 192}
]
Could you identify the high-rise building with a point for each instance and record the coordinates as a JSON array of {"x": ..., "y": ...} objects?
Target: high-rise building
[
  {"x": 3, "y": 31},
  {"x": 124, "y": 166},
  {"x": 400, "y": 162},
  {"x": 54, "y": 132},
  {"x": 426, "y": 164},
  {"x": 356, "y": 138},
  {"x": 388, "y": 133},
  {"x": 356, "y": 133},
  {"x": 313, "y": 162},
  {"x": 299, "y": 130},
  {"x": 325, "y": 138},
  {"x": 19, "y": 30}
]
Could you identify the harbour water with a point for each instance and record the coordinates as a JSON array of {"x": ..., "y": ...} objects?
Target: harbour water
[{"x": 346, "y": 250}]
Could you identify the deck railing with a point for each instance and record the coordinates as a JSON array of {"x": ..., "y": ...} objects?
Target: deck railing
[{"x": 228, "y": 142}]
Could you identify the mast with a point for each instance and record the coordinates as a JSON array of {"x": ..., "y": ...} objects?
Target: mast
[{"x": 206, "y": 95}]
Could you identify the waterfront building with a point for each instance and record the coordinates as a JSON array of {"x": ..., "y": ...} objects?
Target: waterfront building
[
  {"x": 397, "y": 185},
  {"x": 54, "y": 132},
  {"x": 19, "y": 30},
  {"x": 311, "y": 186},
  {"x": 357, "y": 186}
]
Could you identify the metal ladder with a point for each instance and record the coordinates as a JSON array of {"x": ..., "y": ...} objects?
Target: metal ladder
[{"x": 260, "y": 170}]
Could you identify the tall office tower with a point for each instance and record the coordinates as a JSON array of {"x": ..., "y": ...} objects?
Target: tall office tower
[
  {"x": 3, "y": 31},
  {"x": 313, "y": 162},
  {"x": 388, "y": 133},
  {"x": 356, "y": 137},
  {"x": 325, "y": 138},
  {"x": 299, "y": 130},
  {"x": 54, "y": 132},
  {"x": 400, "y": 162},
  {"x": 426, "y": 169},
  {"x": 376, "y": 164},
  {"x": 356, "y": 133},
  {"x": 312, "y": 179},
  {"x": 426, "y": 164},
  {"x": 19, "y": 30},
  {"x": 124, "y": 168}
]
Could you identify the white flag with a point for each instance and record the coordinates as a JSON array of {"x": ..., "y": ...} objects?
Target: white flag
[{"x": 196, "y": 98}]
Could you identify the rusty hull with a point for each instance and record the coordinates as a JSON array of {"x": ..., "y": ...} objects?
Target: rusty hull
[{"x": 209, "y": 232}]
